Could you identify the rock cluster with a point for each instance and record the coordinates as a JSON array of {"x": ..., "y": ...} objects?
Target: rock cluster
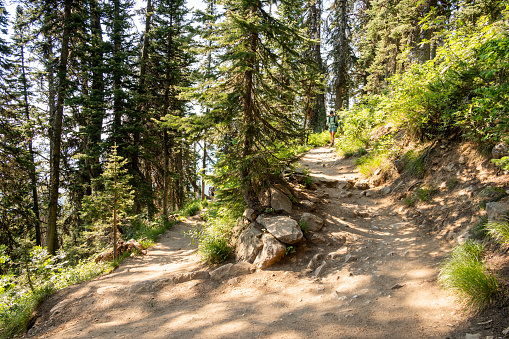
[{"x": 265, "y": 239}]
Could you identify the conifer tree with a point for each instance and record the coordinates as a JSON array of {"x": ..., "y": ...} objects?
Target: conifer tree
[
  {"x": 247, "y": 112},
  {"x": 110, "y": 203}
]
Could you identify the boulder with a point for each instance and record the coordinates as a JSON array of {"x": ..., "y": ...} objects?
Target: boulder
[
  {"x": 249, "y": 244},
  {"x": 500, "y": 150},
  {"x": 279, "y": 201},
  {"x": 497, "y": 211},
  {"x": 272, "y": 252},
  {"x": 250, "y": 214},
  {"x": 313, "y": 222},
  {"x": 282, "y": 228}
]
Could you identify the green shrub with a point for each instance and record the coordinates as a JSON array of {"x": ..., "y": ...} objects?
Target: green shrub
[
  {"x": 465, "y": 274},
  {"x": 191, "y": 208},
  {"x": 319, "y": 139},
  {"x": 214, "y": 237}
]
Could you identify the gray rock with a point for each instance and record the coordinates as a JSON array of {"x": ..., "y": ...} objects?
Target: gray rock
[
  {"x": 386, "y": 190},
  {"x": 149, "y": 285},
  {"x": 473, "y": 336},
  {"x": 283, "y": 189},
  {"x": 272, "y": 252},
  {"x": 308, "y": 204},
  {"x": 320, "y": 269},
  {"x": 338, "y": 238},
  {"x": 279, "y": 201},
  {"x": 241, "y": 268},
  {"x": 330, "y": 183},
  {"x": 450, "y": 167},
  {"x": 500, "y": 150},
  {"x": 250, "y": 214},
  {"x": 316, "y": 238},
  {"x": 264, "y": 198},
  {"x": 314, "y": 262},
  {"x": 249, "y": 244},
  {"x": 362, "y": 185},
  {"x": 283, "y": 228},
  {"x": 313, "y": 222},
  {"x": 298, "y": 170},
  {"x": 350, "y": 258},
  {"x": 221, "y": 272},
  {"x": 231, "y": 270},
  {"x": 497, "y": 211}
]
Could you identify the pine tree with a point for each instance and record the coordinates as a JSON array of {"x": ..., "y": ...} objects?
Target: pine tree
[
  {"x": 257, "y": 62},
  {"x": 112, "y": 198}
]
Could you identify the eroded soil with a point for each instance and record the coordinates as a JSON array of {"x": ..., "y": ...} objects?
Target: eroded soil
[{"x": 381, "y": 283}]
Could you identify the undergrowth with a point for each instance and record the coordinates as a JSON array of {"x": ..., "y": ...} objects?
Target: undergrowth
[{"x": 466, "y": 275}]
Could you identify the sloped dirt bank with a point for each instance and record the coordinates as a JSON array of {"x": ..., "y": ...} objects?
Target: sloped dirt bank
[{"x": 378, "y": 273}]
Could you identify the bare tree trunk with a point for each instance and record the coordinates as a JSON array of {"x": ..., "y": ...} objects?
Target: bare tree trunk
[{"x": 56, "y": 137}]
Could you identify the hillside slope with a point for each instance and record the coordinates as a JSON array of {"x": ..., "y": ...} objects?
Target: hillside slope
[{"x": 379, "y": 278}]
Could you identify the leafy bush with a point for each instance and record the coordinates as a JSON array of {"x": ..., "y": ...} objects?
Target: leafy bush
[
  {"x": 43, "y": 274},
  {"x": 319, "y": 139},
  {"x": 502, "y": 163},
  {"x": 465, "y": 274},
  {"x": 191, "y": 208}
]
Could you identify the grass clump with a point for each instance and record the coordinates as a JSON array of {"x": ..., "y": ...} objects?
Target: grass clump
[
  {"x": 465, "y": 274},
  {"x": 214, "y": 237},
  {"x": 499, "y": 231},
  {"x": 413, "y": 163}
]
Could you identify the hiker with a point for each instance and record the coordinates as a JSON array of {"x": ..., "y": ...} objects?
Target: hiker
[{"x": 332, "y": 123}]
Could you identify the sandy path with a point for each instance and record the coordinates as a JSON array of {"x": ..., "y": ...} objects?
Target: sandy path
[{"x": 380, "y": 284}]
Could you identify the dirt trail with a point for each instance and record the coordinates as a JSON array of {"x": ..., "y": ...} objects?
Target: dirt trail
[{"x": 380, "y": 284}]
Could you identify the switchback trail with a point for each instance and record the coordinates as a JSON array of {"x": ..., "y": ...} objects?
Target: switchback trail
[{"x": 380, "y": 283}]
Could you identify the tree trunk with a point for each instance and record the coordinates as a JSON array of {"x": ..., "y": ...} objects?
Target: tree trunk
[
  {"x": 249, "y": 123},
  {"x": 56, "y": 137}
]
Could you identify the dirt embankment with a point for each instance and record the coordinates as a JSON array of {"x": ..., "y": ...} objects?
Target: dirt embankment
[{"x": 379, "y": 281}]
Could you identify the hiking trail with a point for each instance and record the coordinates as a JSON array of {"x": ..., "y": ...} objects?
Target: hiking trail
[{"x": 380, "y": 284}]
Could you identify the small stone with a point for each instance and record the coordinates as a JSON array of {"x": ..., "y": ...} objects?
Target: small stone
[
  {"x": 462, "y": 160},
  {"x": 506, "y": 331},
  {"x": 320, "y": 269},
  {"x": 397, "y": 286},
  {"x": 350, "y": 258},
  {"x": 473, "y": 336}
]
